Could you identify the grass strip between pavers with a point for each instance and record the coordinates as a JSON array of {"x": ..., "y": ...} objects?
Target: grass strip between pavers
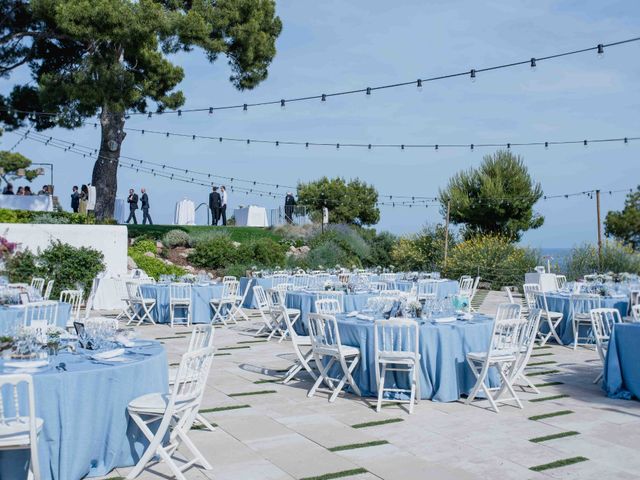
[
  {"x": 554, "y": 436},
  {"x": 343, "y": 473},
  {"x": 252, "y": 341},
  {"x": 547, "y": 384},
  {"x": 558, "y": 463},
  {"x": 168, "y": 338},
  {"x": 353, "y": 446},
  {"x": 551, "y": 415},
  {"x": 545, "y": 354},
  {"x": 542, "y": 348},
  {"x": 272, "y": 380},
  {"x": 237, "y": 347},
  {"x": 544, "y": 372},
  {"x": 220, "y": 354},
  {"x": 223, "y": 409},
  {"x": 246, "y": 394},
  {"x": 377, "y": 422},
  {"x": 552, "y": 397},
  {"x": 203, "y": 427},
  {"x": 536, "y": 364}
]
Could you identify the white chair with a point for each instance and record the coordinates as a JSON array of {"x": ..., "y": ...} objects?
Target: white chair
[
  {"x": 237, "y": 309},
  {"x": 530, "y": 290},
  {"x": 228, "y": 278},
  {"x": 40, "y": 314},
  {"x": 278, "y": 278},
  {"x": 427, "y": 290},
  {"x": 529, "y": 333},
  {"x": 552, "y": 319},
  {"x": 276, "y": 298},
  {"x": 140, "y": 306},
  {"x": 73, "y": 298},
  {"x": 300, "y": 281},
  {"x": 474, "y": 290},
  {"x": 123, "y": 293},
  {"x": 90, "y": 298},
  {"x": 19, "y": 427},
  {"x": 201, "y": 337},
  {"x": 378, "y": 286},
  {"x": 635, "y": 313},
  {"x": 297, "y": 341},
  {"x": 580, "y": 307},
  {"x": 602, "y": 322},
  {"x": 396, "y": 350},
  {"x": 175, "y": 412},
  {"x": 226, "y": 302},
  {"x": 508, "y": 311},
  {"x": 328, "y": 306},
  {"x": 325, "y": 343},
  {"x": 180, "y": 298},
  {"x": 503, "y": 353},
  {"x": 465, "y": 286},
  {"x": 561, "y": 282},
  {"x": 261, "y": 301},
  {"x": 38, "y": 284},
  {"x": 47, "y": 291}
]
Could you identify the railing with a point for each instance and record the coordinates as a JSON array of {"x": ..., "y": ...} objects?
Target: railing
[{"x": 277, "y": 216}]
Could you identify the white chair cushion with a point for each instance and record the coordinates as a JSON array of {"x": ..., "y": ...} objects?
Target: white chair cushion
[{"x": 14, "y": 432}]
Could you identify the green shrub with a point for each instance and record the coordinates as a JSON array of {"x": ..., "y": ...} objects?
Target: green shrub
[
  {"x": 154, "y": 267},
  {"x": 217, "y": 252},
  {"x": 50, "y": 218},
  {"x": 329, "y": 254},
  {"x": 25, "y": 216},
  {"x": 176, "y": 238},
  {"x": 143, "y": 246},
  {"x": 264, "y": 252},
  {"x": 203, "y": 236},
  {"x": 238, "y": 270},
  {"x": 69, "y": 267},
  {"x": 380, "y": 247},
  {"x": 21, "y": 267},
  {"x": 423, "y": 251},
  {"x": 616, "y": 257},
  {"x": 8, "y": 216},
  {"x": 494, "y": 258}
]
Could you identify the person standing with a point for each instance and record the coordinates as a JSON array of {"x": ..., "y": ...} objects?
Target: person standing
[
  {"x": 223, "y": 209},
  {"x": 145, "y": 207},
  {"x": 8, "y": 190},
  {"x": 75, "y": 199},
  {"x": 84, "y": 197},
  {"x": 132, "y": 200},
  {"x": 289, "y": 204},
  {"x": 215, "y": 204}
]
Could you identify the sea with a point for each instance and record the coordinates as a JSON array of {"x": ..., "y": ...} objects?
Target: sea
[{"x": 557, "y": 256}]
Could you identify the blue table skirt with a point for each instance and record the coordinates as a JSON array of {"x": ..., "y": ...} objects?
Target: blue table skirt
[
  {"x": 622, "y": 363},
  {"x": 11, "y": 318},
  {"x": 87, "y": 430},
  {"x": 559, "y": 302},
  {"x": 201, "y": 295},
  {"x": 305, "y": 302},
  {"x": 444, "y": 373}
]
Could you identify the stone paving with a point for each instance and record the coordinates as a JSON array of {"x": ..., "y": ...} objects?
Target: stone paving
[{"x": 266, "y": 430}]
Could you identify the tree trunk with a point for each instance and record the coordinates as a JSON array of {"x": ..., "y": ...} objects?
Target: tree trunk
[{"x": 105, "y": 170}]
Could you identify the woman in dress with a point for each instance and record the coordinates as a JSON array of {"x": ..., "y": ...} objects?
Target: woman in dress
[{"x": 84, "y": 198}]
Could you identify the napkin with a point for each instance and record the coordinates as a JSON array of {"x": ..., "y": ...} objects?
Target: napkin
[
  {"x": 361, "y": 316},
  {"x": 27, "y": 364},
  {"x": 445, "y": 319},
  {"x": 122, "y": 340},
  {"x": 466, "y": 316},
  {"x": 352, "y": 314},
  {"x": 108, "y": 354}
]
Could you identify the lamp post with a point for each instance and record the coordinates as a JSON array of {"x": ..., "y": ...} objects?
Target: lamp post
[{"x": 50, "y": 165}]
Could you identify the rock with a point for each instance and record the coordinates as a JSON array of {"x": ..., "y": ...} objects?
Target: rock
[
  {"x": 190, "y": 269},
  {"x": 183, "y": 254},
  {"x": 304, "y": 250},
  {"x": 292, "y": 249},
  {"x": 159, "y": 245},
  {"x": 150, "y": 254},
  {"x": 236, "y": 244},
  {"x": 167, "y": 262},
  {"x": 131, "y": 265}
]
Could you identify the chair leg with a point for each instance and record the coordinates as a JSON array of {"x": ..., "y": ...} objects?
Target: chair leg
[
  {"x": 598, "y": 378},
  {"x": 381, "y": 387},
  {"x": 203, "y": 421}
]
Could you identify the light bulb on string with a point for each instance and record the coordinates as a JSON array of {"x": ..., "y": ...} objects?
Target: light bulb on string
[
  {"x": 323, "y": 97},
  {"x": 600, "y": 50},
  {"x": 419, "y": 84},
  {"x": 472, "y": 74},
  {"x": 585, "y": 143},
  {"x": 533, "y": 64},
  {"x": 245, "y": 107},
  {"x": 368, "y": 92},
  {"x": 546, "y": 145},
  {"x": 210, "y": 110},
  {"x": 626, "y": 141},
  {"x": 282, "y": 103}
]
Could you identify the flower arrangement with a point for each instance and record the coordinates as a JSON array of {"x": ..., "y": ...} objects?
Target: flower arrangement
[{"x": 6, "y": 247}]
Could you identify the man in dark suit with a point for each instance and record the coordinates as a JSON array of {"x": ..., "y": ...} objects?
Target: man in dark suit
[
  {"x": 145, "y": 207},
  {"x": 132, "y": 200},
  {"x": 215, "y": 204},
  {"x": 75, "y": 199},
  {"x": 289, "y": 203}
]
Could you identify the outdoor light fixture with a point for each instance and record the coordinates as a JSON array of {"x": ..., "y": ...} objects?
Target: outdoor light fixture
[
  {"x": 282, "y": 103},
  {"x": 600, "y": 50},
  {"x": 472, "y": 73},
  {"x": 368, "y": 90},
  {"x": 419, "y": 85},
  {"x": 323, "y": 97},
  {"x": 533, "y": 64}
]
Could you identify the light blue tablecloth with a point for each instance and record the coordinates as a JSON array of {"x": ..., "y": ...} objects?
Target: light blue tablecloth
[
  {"x": 446, "y": 288},
  {"x": 11, "y": 318},
  {"x": 201, "y": 295},
  {"x": 622, "y": 363},
  {"x": 87, "y": 430},
  {"x": 305, "y": 302},
  {"x": 559, "y": 302},
  {"x": 444, "y": 373}
]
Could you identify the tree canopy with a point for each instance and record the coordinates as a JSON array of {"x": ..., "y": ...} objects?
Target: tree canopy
[
  {"x": 112, "y": 57},
  {"x": 13, "y": 165},
  {"x": 625, "y": 225},
  {"x": 495, "y": 198},
  {"x": 352, "y": 202}
]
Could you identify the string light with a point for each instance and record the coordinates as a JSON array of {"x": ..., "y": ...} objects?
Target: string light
[
  {"x": 419, "y": 84},
  {"x": 600, "y": 50},
  {"x": 533, "y": 64},
  {"x": 473, "y": 75}
]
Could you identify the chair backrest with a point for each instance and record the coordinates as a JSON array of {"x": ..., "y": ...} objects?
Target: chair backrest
[
  {"x": 378, "y": 286},
  {"x": 530, "y": 290},
  {"x": 635, "y": 312},
  {"x": 201, "y": 337},
  {"x": 276, "y": 297},
  {"x": 230, "y": 289},
  {"x": 561, "y": 281},
  {"x": 577, "y": 287},
  {"x": 74, "y": 298},
  {"x": 14, "y": 405},
  {"x": 47, "y": 291},
  {"x": 321, "y": 295},
  {"x": 530, "y": 329},
  {"x": 227, "y": 278},
  {"x": 90, "y": 299},
  {"x": 324, "y": 333},
  {"x": 581, "y": 304},
  {"x": 395, "y": 335},
  {"x": 41, "y": 314},
  {"x": 300, "y": 281},
  {"x": 344, "y": 278},
  {"x": 260, "y": 297},
  {"x": 38, "y": 284},
  {"x": 328, "y": 306},
  {"x": 191, "y": 378},
  {"x": 508, "y": 311},
  {"x": 279, "y": 312},
  {"x": 465, "y": 286},
  {"x": 278, "y": 278},
  {"x": 427, "y": 289},
  {"x": 179, "y": 291},
  {"x": 133, "y": 290},
  {"x": 602, "y": 322},
  {"x": 507, "y": 336},
  {"x": 509, "y": 294}
]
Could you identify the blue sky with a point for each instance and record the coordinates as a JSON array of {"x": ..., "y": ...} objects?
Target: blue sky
[{"x": 335, "y": 45}]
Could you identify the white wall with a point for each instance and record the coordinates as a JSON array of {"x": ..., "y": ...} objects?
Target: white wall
[{"x": 111, "y": 240}]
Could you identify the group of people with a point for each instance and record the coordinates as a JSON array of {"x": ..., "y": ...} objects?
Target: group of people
[
  {"x": 8, "y": 190},
  {"x": 83, "y": 200},
  {"x": 132, "y": 200},
  {"x": 218, "y": 205}
]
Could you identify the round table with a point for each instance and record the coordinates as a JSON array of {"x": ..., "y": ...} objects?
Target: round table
[
  {"x": 444, "y": 372},
  {"x": 12, "y": 317},
  {"x": 446, "y": 288},
  {"x": 87, "y": 430},
  {"x": 560, "y": 302},
  {"x": 201, "y": 295},
  {"x": 621, "y": 366},
  {"x": 305, "y": 302}
]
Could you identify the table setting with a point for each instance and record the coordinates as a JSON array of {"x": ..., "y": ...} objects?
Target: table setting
[
  {"x": 201, "y": 294},
  {"x": 83, "y": 383}
]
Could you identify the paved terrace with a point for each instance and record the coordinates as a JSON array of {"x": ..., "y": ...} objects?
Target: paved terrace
[{"x": 266, "y": 430}]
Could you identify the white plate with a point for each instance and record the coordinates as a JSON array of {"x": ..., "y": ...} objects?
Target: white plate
[
  {"x": 31, "y": 364},
  {"x": 445, "y": 319},
  {"x": 109, "y": 355}
]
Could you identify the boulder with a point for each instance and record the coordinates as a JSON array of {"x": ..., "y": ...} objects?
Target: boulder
[
  {"x": 190, "y": 269},
  {"x": 236, "y": 244},
  {"x": 131, "y": 265},
  {"x": 150, "y": 254},
  {"x": 304, "y": 250}
]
